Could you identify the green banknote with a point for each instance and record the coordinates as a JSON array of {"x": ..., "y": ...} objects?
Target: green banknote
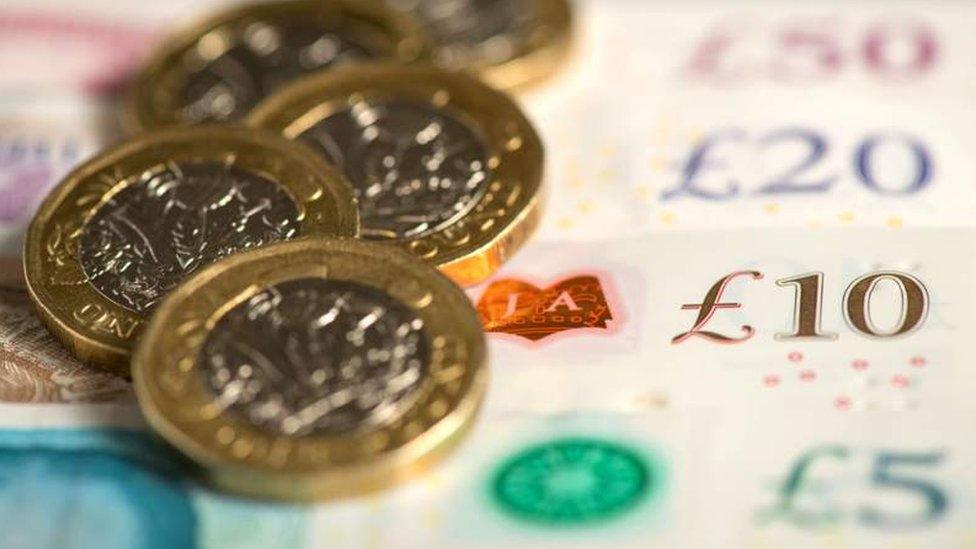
[{"x": 580, "y": 479}]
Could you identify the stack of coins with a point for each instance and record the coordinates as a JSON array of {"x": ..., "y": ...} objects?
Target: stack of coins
[{"x": 275, "y": 255}]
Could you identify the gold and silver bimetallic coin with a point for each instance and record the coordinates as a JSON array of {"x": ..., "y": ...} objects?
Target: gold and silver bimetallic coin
[
  {"x": 312, "y": 369},
  {"x": 510, "y": 43},
  {"x": 441, "y": 164},
  {"x": 217, "y": 69},
  {"x": 128, "y": 225}
]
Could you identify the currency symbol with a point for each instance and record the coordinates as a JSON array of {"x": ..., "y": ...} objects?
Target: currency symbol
[
  {"x": 710, "y": 305},
  {"x": 700, "y": 161},
  {"x": 797, "y": 484},
  {"x": 887, "y": 473}
]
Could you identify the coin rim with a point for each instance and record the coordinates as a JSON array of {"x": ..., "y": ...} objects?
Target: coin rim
[
  {"x": 541, "y": 61},
  {"x": 449, "y": 309},
  {"x": 113, "y": 352},
  {"x": 410, "y": 43},
  {"x": 516, "y": 190}
]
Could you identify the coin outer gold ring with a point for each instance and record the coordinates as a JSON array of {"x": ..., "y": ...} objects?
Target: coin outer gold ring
[
  {"x": 502, "y": 219},
  {"x": 153, "y": 100},
  {"x": 242, "y": 458},
  {"x": 550, "y": 44},
  {"x": 96, "y": 329}
]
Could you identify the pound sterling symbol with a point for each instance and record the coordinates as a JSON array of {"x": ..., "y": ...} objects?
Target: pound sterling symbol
[{"x": 708, "y": 308}]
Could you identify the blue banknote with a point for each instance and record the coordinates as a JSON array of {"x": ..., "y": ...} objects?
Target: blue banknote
[{"x": 114, "y": 489}]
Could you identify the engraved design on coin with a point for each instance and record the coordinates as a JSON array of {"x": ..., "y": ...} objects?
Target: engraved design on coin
[
  {"x": 316, "y": 356},
  {"x": 232, "y": 72},
  {"x": 414, "y": 168},
  {"x": 474, "y": 31},
  {"x": 174, "y": 219}
]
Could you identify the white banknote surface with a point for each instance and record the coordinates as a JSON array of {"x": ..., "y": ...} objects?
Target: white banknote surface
[
  {"x": 902, "y": 346},
  {"x": 743, "y": 321},
  {"x": 709, "y": 115},
  {"x": 832, "y": 480}
]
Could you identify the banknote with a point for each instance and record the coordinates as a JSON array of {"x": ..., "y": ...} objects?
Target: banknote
[
  {"x": 711, "y": 115},
  {"x": 706, "y": 477},
  {"x": 39, "y": 144},
  {"x": 670, "y": 117},
  {"x": 579, "y": 479},
  {"x": 35, "y": 368},
  {"x": 829, "y": 319},
  {"x": 119, "y": 488},
  {"x": 65, "y": 68},
  {"x": 809, "y": 479}
]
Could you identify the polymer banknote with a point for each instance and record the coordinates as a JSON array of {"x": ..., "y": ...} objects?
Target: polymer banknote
[
  {"x": 81, "y": 486},
  {"x": 841, "y": 480},
  {"x": 805, "y": 387},
  {"x": 707, "y": 477},
  {"x": 831, "y": 319},
  {"x": 670, "y": 116},
  {"x": 93, "y": 477},
  {"x": 708, "y": 115}
]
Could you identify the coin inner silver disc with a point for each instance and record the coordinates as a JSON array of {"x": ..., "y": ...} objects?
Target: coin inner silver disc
[
  {"x": 473, "y": 31},
  {"x": 316, "y": 356},
  {"x": 173, "y": 220},
  {"x": 257, "y": 61},
  {"x": 414, "y": 168}
]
